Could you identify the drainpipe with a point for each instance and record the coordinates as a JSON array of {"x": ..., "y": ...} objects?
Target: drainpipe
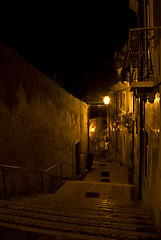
[
  {"x": 132, "y": 170},
  {"x": 142, "y": 121},
  {"x": 142, "y": 48},
  {"x": 109, "y": 122},
  {"x": 87, "y": 164}
]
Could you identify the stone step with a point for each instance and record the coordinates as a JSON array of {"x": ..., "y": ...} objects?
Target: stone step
[
  {"x": 23, "y": 232},
  {"x": 112, "y": 222},
  {"x": 94, "y": 218},
  {"x": 76, "y": 210},
  {"x": 99, "y": 204},
  {"x": 96, "y": 202},
  {"x": 97, "y": 231},
  {"x": 71, "y": 214}
]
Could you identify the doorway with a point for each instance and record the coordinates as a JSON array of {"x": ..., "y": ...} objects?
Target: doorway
[
  {"x": 123, "y": 149},
  {"x": 77, "y": 152}
]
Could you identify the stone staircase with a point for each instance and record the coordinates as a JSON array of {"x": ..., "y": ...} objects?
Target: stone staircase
[{"x": 78, "y": 210}]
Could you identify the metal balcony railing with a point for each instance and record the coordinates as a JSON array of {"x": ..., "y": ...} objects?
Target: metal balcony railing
[{"x": 143, "y": 57}]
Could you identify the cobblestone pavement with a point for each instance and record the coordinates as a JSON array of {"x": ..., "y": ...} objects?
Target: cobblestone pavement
[
  {"x": 115, "y": 172},
  {"x": 91, "y": 209}
]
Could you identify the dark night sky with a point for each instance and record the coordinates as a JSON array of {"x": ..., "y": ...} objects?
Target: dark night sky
[{"x": 75, "y": 40}]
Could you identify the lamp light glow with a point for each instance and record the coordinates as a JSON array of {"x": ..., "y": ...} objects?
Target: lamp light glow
[
  {"x": 106, "y": 100},
  {"x": 157, "y": 98},
  {"x": 92, "y": 129}
]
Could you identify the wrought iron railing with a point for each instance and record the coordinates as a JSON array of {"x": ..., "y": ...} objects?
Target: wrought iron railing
[
  {"x": 143, "y": 53},
  {"x": 42, "y": 173}
]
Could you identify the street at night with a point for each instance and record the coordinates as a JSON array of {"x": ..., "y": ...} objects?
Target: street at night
[{"x": 80, "y": 121}]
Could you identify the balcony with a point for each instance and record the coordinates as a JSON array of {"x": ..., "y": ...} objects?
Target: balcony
[
  {"x": 145, "y": 88},
  {"x": 143, "y": 60}
]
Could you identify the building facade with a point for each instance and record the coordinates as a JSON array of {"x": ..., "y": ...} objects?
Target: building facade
[
  {"x": 121, "y": 124},
  {"x": 138, "y": 126}
]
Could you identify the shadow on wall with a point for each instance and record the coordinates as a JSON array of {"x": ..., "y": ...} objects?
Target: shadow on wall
[{"x": 39, "y": 121}]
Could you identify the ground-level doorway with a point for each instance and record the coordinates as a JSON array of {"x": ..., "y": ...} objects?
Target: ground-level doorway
[{"x": 77, "y": 152}]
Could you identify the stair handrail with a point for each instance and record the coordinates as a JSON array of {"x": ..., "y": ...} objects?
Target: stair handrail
[
  {"x": 48, "y": 169},
  {"x": 20, "y": 168},
  {"x": 41, "y": 172}
]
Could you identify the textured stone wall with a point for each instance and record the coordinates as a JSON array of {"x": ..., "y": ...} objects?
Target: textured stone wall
[{"x": 40, "y": 123}]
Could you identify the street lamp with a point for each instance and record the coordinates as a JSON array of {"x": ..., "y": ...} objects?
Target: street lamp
[
  {"x": 92, "y": 129},
  {"x": 106, "y": 100}
]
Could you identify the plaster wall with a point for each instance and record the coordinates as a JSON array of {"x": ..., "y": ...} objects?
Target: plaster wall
[
  {"x": 40, "y": 122},
  {"x": 151, "y": 165}
]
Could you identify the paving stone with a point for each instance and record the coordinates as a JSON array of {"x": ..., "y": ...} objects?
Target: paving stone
[{"x": 80, "y": 210}]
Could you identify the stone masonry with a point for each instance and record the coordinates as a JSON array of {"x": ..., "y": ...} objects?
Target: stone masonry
[{"x": 40, "y": 122}]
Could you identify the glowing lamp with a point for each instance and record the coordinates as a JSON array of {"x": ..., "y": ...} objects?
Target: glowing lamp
[
  {"x": 157, "y": 98},
  {"x": 92, "y": 129},
  {"x": 106, "y": 100}
]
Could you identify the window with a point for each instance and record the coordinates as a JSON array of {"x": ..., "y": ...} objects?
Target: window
[
  {"x": 131, "y": 102},
  {"x": 123, "y": 100}
]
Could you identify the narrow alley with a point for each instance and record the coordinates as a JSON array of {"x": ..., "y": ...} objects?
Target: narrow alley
[
  {"x": 102, "y": 206},
  {"x": 80, "y": 123}
]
